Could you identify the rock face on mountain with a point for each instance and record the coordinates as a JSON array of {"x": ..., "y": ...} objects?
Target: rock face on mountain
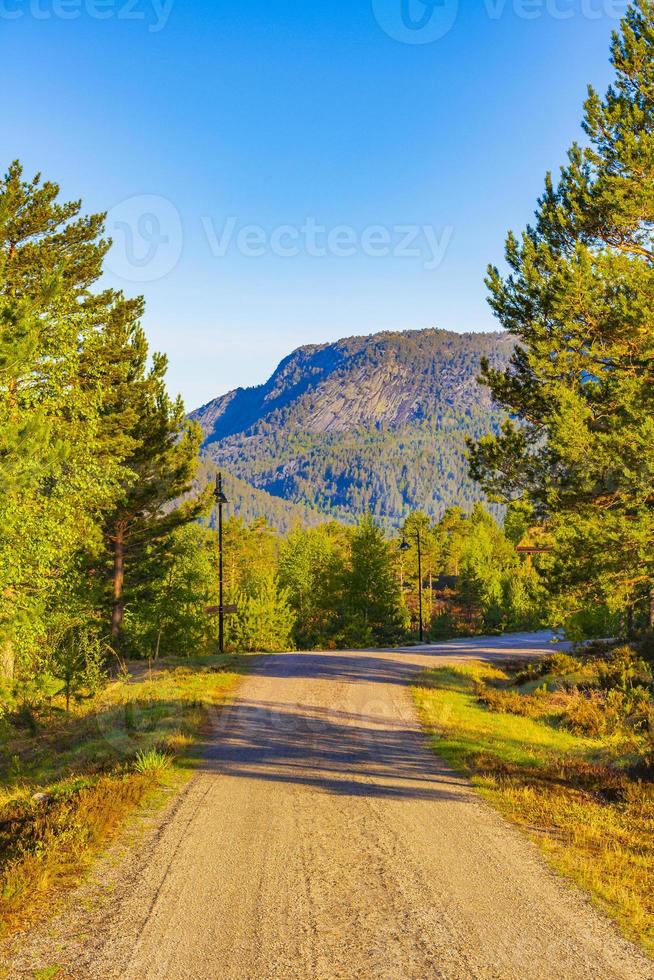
[{"x": 373, "y": 423}]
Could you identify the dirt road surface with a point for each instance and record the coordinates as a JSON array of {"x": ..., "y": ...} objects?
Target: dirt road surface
[{"x": 321, "y": 838}]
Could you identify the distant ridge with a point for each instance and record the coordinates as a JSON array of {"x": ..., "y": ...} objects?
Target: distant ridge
[{"x": 375, "y": 422}]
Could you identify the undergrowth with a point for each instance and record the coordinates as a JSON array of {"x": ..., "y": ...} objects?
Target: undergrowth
[
  {"x": 68, "y": 780},
  {"x": 564, "y": 748}
]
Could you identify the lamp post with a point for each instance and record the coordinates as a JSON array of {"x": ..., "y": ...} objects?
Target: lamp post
[
  {"x": 405, "y": 546},
  {"x": 220, "y": 500}
]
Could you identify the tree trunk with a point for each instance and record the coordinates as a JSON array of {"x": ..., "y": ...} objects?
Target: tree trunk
[
  {"x": 162, "y": 618},
  {"x": 118, "y": 579},
  {"x": 629, "y": 623},
  {"x": 7, "y": 657}
]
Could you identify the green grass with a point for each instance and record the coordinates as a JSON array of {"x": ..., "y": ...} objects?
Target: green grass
[
  {"x": 153, "y": 761},
  {"x": 571, "y": 793},
  {"x": 465, "y": 729},
  {"x": 93, "y": 766}
]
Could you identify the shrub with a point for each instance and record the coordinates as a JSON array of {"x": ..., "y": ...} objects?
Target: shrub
[
  {"x": 633, "y": 709},
  {"x": 598, "y": 713},
  {"x": 594, "y": 621},
  {"x": 623, "y": 669},
  {"x": 586, "y": 715},
  {"x": 532, "y": 672},
  {"x": 559, "y": 664},
  {"x": 512, "y": 702},
  {"x": 562, "y": 664}
]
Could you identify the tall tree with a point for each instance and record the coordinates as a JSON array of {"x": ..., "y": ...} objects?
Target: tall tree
[
  {"x": 373, "y": 602},
  {"x": 54, "y": 481},
  {"x": 579, "y": 298},
  {"x": 418, "y": 526},
  {"x": 166, "y": 613},
  {"x": 158, "y": 470},
  {"x": 311, "y": 567}
]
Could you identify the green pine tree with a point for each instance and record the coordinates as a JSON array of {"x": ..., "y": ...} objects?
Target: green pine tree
[
  {"x": 155, "y": 495},
  {"x": 311, "y": 567},
  {"x": 55, "y": 482},
  {"x": 264, "y": 620},
  {"x": 372, "y": 599},
  {"x": 166, "y": 614},
  {"x": 580, "y": 388}
]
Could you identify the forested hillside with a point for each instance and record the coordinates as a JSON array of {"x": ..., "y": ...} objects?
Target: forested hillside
[
  {"x": 250, "y": 504},
  {"x": 368, "y": 423}
]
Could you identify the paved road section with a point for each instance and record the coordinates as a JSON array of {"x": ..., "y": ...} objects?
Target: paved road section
[{"x": 321, "y": 838}]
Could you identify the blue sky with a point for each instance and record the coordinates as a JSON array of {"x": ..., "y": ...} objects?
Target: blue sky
[{"x": 212, "y": 131}]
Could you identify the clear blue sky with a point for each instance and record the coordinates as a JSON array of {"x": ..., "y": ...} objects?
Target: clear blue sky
[{"x": 269, "y": 112}]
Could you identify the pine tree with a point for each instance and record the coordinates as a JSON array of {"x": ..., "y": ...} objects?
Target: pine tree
[
  {"x": 54, "y": 483},
  {"x": 312, "y": 567},
  {"x": 158, "y": 470},
  {"x": 580, "y": 389},
  {"x": 92, "y": 449},
  {"x": 264, "y": 620},
  {"x": 372, "y": 592},
  {"x": 419, "y": 525},
  {"x": 166, "y": 613}
]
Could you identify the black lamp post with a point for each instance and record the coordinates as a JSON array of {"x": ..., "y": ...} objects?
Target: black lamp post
[
  {"x": 405, "y": 546},
  {"x": 220, "y": 500}
]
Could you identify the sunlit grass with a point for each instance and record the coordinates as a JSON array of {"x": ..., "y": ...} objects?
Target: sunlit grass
[
  {"x": 464, "y": 728},
  {"x": 67, "y": 790},
  {"x": 568, "y": 792}
]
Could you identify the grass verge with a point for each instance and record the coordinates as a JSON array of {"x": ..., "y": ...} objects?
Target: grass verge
[
  {"x": 571, "y": 793},
  {"x": 67, "y": 787}
]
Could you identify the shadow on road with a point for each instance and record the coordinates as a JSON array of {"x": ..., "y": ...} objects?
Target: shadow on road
[
  {"x": 336, "y": 721},
  {"x": 349, "y": 753}
]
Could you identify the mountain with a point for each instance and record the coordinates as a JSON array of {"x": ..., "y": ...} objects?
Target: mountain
[{"x": 374, "y": 422}]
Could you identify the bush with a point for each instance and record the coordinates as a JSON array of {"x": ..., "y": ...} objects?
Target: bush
[
  {"x": 586, "y": 714},
  {"x": 595, "y": 621},
  {"x": 532, "y": 672},
  {"x": 355, "y": 635},
  {"x": 558, "y": 664},
  {"x": 623, "y": 669},
  {"x": 562, "y": 664},
  {"x": 596, "y": 713},
  {"x": 513, "y": 703}
]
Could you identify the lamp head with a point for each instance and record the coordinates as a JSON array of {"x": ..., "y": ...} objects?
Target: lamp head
[{"x": 218, "y": 492}]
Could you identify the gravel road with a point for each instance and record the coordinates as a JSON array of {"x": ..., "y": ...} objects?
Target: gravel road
[{"x": 321, "y": 838}]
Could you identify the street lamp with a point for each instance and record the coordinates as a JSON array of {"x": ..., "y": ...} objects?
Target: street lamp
[
  {"x": 220, "y": 500},
  {"x": 405, "y": 546}
]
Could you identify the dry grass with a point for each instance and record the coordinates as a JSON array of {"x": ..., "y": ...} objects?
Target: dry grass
[
  {"x": 67, "y": 789},
  {"x": 48, "y": 846},
  {"x": 570, "y": 792}
]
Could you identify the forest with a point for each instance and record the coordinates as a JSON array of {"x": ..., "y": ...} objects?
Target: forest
[
  {"x": 108, "y": 546},
  {"x": 108, "y": 550},
  {"x": 498, "y": 486}
]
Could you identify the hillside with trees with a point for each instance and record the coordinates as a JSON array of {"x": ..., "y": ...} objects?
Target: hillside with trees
[
  {"x": 368, "y": 424},
  {"x": 380, "y": 491}
]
